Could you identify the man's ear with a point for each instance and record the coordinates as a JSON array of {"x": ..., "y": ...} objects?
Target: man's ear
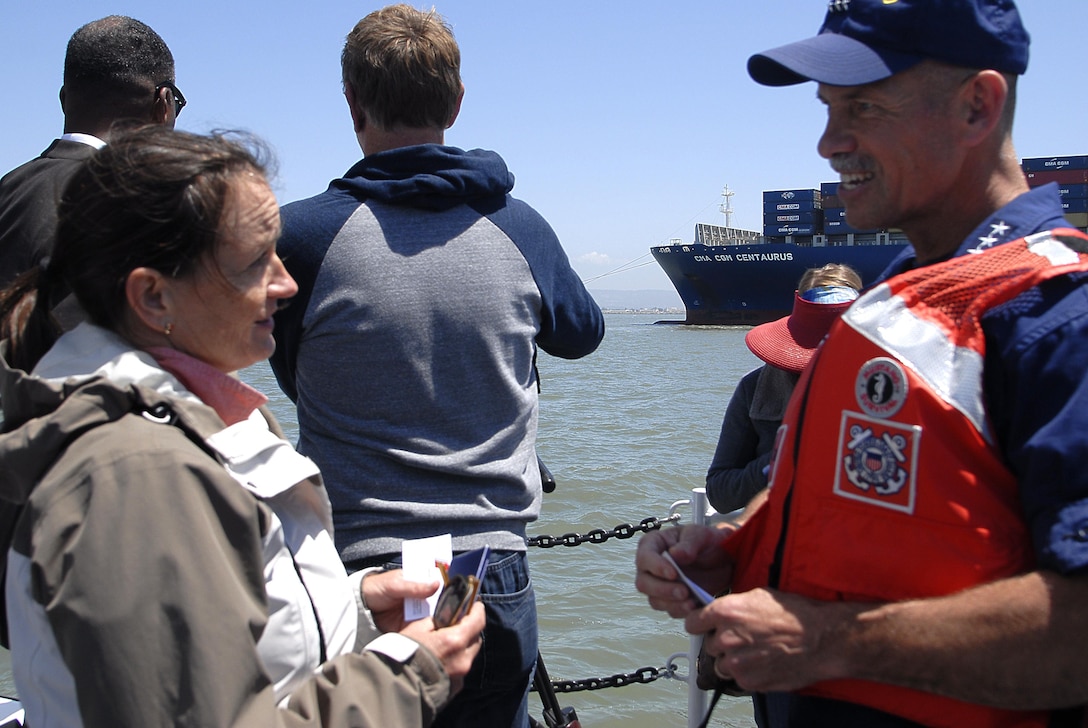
[
  {"x": 456, "y": 107},
  {"x": 160, "y": 109},
  {"x": 358, "y": 117},
  {"x": 61, "y": 95},
  {"x": 150, "y": 298},
  {"x": 984, "y": 97}
]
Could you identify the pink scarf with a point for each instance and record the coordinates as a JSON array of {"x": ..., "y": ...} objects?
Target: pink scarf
[{"x": 231, "y": 398}]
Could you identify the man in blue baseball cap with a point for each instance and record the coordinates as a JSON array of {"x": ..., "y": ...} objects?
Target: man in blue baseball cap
[
  {"x": 862, "y": 42},
  {"x": 921, "y": 556}
]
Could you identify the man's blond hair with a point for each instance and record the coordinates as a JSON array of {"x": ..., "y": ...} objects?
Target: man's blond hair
[{"x": 404, "y": 68}]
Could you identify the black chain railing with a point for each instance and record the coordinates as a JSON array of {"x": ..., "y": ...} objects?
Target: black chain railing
[
  {"x": 642, "y": 676},
  {"x": 600, "y": 535}
]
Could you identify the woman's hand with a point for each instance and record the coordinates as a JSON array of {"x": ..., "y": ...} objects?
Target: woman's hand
[
  {"x": 384, "y": 593},
  {"x": 455, "y": 646}
]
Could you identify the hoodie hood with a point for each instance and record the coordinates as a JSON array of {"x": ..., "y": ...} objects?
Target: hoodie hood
[
  {"x": 41, "y": 419},
  {"x": 429, "y": 176}
]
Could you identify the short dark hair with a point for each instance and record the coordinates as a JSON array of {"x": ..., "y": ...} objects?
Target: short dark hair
[
  {"x": 115, "y": 60},
  {"x": 404, "y": 67}
]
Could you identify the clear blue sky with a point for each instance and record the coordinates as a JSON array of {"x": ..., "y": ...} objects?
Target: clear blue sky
[{"x": 622, "y": 121}]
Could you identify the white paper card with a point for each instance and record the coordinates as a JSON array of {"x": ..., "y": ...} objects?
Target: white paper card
[
  {"x": 701, "y": 595},
  {"x": 419, "y": 556}
]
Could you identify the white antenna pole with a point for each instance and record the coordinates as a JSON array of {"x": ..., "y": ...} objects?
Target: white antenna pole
[{"x": 726, "y": 207}]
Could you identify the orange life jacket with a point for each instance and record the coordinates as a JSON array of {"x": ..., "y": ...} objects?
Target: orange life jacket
[{"x": 886, "y": 483}]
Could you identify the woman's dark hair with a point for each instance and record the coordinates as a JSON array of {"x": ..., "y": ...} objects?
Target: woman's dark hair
[{"x": 152, "y": 197}]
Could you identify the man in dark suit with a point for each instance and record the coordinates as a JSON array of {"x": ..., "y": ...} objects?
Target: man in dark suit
[{"x": 115, "y": 69}]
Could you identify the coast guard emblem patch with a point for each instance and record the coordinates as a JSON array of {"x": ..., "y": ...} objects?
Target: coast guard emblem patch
[
  {"x": 876, "y": 461},
  {"x": 881, "y": 387}
]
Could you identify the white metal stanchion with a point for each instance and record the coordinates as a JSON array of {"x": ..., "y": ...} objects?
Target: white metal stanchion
[{"x": 697, "y": 699}]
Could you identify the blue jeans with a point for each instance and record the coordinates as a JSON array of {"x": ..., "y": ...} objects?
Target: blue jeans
[{"x": 496, "y": 692}]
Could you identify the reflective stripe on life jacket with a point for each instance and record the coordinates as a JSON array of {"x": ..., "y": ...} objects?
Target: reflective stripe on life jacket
[{"x": 886, "y": 483}]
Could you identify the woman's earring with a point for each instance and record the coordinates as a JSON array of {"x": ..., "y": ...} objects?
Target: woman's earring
[{"x": 168, "y": 329}]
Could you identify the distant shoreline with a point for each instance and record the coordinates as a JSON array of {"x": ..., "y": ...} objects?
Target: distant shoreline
[
  {"x": 671, "y": 311},
  {"x": 639, "y": 301}
]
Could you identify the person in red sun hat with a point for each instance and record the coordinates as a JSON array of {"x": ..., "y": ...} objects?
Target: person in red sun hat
[{"x": 739, "y": 468}]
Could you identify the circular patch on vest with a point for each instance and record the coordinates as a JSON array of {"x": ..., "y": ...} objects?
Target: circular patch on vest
[{"x": 881, "y": 387}]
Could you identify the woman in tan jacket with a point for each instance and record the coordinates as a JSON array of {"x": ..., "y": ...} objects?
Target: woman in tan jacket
[{"x": 173, "y": 563}]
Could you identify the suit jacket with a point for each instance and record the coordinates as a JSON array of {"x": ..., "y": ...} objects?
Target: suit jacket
[{"x": 28, "y": 205}]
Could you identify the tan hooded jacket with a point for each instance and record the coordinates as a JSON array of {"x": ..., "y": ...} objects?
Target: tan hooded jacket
[{"x": 140, "y": 571}]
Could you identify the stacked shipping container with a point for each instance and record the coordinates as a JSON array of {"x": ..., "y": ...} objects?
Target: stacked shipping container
[
  {"x": 1071, "y": 175},
  {"x": 804, "y": 213},
  {"x": 792, "y": 212}
]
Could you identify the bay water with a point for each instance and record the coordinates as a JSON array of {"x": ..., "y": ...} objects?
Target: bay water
[{"x": 627, "y": 432}]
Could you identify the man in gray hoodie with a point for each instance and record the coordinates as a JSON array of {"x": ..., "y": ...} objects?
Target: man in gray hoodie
[{"x": 410, "y": 350}]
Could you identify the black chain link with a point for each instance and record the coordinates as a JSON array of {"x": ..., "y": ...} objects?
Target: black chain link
[
  {"x": 599, "y": 535},
  {"x": 643, "y": 676}
]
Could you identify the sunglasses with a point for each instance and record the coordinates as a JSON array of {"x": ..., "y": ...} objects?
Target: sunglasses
[
  {"x": 456, "y": 598},
  {"x": 179, "y": 97}
]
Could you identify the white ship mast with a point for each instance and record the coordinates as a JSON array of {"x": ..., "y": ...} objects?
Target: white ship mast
[
  {"x": 726, "y": 207},
  {"x": 707, "y": 234}
]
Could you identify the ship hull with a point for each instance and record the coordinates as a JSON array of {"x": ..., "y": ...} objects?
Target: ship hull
[{"x": 747, "y": 285}]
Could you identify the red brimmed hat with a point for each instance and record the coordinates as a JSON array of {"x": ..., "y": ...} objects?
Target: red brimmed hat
[{"x": 789, "y": 342}]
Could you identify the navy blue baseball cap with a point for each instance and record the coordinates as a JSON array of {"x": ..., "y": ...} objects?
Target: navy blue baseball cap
[{"x": 862, "y": 41}]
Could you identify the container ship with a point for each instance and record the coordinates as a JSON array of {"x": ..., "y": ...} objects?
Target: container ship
[{"x": 729, "y": 276}]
